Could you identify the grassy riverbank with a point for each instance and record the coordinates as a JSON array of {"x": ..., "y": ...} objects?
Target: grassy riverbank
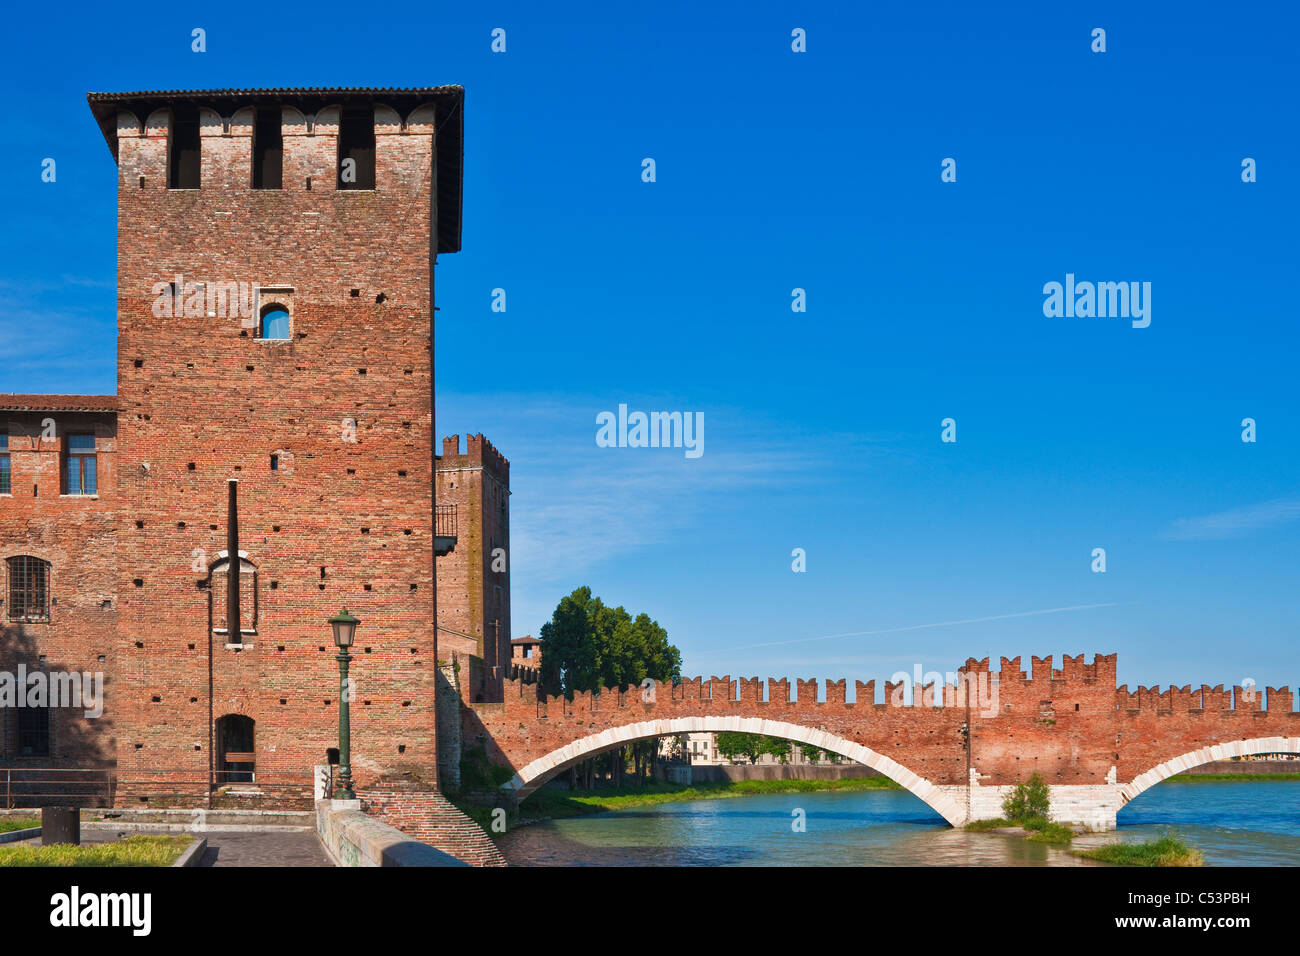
[
  {"x": 560, "y": 804},
  {"x": 9, "y": 824},
  {"x": 573, "y": 803}
]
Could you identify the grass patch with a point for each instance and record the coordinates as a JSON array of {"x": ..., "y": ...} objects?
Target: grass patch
[
  {"x": 133, "y": 851},
  {"x": 9, "y": 824},
  {"x": 979, "y": 826},
  {"x": 1169, "y": 850},
  {"x": 1038, "y": 829},
  {"x": 1042, "y": 830},
  {"x": 1232, "y": 777}
]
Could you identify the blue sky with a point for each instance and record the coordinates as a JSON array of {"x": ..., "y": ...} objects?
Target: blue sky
[{"x": 820, "y": 170}]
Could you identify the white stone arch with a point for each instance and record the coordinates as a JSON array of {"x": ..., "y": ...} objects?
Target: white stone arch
[
  {"x": 1194, "y": 758},
  {"x": 528, "y": 778}
]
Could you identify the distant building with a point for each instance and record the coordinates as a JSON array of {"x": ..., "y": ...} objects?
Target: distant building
[{"x": 702, "y": 751}]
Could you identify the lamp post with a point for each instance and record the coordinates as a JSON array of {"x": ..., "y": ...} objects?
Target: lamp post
[{"x": 345, "y": 628}]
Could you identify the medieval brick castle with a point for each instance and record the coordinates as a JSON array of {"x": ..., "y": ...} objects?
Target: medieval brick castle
[{"x": 275, "y": 281}]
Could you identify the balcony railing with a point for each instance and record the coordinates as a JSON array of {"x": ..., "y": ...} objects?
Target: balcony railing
[{"x": 444, "y": 521}]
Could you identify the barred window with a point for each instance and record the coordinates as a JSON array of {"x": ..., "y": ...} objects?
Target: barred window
[
  {"x": 5, "y": 484},
  {"x": 82, "y": 472},
  {"x": 29, "y": 589}
]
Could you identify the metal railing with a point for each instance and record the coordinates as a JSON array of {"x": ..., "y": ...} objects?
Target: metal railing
[
  {"x": 32, "y": 787},
  {"x": 444, "y": 521},
  {"x": 40, "y": 786}
]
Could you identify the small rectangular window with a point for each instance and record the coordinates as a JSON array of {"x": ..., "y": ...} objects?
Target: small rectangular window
[
  {"x": 268, "y": 150},
  {"x": 81, "y": 475},
  {"x": 5, "y": 480},
  {"x": 357, "y": 148},
  {"x": 183, "y": 153}
]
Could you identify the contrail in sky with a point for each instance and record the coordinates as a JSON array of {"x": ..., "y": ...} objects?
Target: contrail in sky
[{"x": 917, "y": 627}]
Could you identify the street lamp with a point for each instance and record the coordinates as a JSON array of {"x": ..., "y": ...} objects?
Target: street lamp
[{"x": 345, "y": 629}]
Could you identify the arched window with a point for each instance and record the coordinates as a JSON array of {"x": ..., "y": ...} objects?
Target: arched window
[
  {"x": 275, "y": 323},
  {"x": 28, "y": 594},
  {"x": 218, "y": 578}
]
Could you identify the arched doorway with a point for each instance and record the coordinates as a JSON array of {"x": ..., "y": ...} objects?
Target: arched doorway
[{"x": 235, "y": 748}]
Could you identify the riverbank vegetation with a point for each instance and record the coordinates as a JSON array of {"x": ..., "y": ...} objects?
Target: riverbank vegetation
[
  {"x": 564, "y": 803},
  {"x": 554, "y": 804},
  {"x": 1168, "y": 850},
  {"x": 1026, "y": 808},
  {"x": 9, "y": 824}
]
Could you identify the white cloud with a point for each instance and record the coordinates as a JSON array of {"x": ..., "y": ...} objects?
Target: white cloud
[{"x": 1235, "y": 522}]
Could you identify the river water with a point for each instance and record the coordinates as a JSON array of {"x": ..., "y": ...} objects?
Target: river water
[{"x": 1244, "y": 824}]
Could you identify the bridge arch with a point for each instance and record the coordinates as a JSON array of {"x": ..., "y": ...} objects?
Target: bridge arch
[
  {"x": 531, "y": 776},
  {"x": 1194, "y": 758}
]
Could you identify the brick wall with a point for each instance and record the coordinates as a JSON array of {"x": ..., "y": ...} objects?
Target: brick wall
[{"x": 75, "y": 534}]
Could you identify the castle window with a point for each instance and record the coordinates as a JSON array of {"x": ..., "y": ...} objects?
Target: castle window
[
  {"x": 357, "y": 148},
  {"x": 29, "y": 589},
  {"x": 274, "y": 324},
  {"x": 81, "y": 471},
  {"x": 183, "y": 153},
  {"x": 268, "y": 150},
  {"x": 5, "y": 483}
]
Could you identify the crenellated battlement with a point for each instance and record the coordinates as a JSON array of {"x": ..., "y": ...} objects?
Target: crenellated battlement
[
  {"x": 479, "y": 453},
  {"x": 975, "y": 683},
  {"x": 1102, "y": 669},
  {"x": 1206, "y": 699}
]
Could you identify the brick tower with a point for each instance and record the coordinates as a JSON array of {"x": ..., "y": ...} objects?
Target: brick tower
[
  {"x": 474, "y": 578},
  {"x": 276, "y": 252}
]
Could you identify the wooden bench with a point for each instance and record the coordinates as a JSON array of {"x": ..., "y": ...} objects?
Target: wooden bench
[{"x": 239, "y": 758}]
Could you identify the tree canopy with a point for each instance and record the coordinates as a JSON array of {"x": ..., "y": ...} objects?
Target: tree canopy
[{"x": 587, "y": 646}]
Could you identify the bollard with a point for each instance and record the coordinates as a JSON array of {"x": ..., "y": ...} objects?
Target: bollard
[{"x": 60, "y": 825}]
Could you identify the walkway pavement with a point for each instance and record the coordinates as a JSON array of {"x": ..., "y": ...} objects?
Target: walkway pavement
[{"x": 291, "y": 848}]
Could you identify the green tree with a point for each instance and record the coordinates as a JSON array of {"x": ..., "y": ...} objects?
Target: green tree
[
  {"x": 732, "y": 744},
  {"x": 588, "y": 646},
  {"x": 1028, "y": 801},
  {"x": 778, "y": 747},
  {"x": 810, "y": 753},
  {"x": 570, "y": 659}
]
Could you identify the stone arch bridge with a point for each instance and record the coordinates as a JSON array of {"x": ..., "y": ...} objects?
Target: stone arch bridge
[{"x": 959, "y": 747}]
